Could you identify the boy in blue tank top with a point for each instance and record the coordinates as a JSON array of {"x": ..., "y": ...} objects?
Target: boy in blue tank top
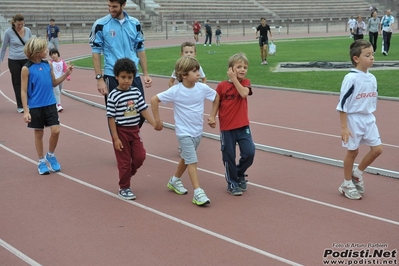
[{"x": 38, "y": 100}]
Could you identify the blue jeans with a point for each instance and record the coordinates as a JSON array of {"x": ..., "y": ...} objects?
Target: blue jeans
[{"x": 228, "y": 139}]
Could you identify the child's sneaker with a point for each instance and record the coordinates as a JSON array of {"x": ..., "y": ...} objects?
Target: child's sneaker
[
  {"x": 235, "y": 191},
  {"x": 200, "y": 198},
  {"x": 177, "y": 186},
  {"x": 358, "y": 181},
  {"x": 126, "y": 193},
  {"x": 59, "y": 108},
  {"x": 43, "y": 169},
  {"x": 53, "y": 163},
  {"x": 349, "y": 191},
  {"x": 242, "y": 184}
]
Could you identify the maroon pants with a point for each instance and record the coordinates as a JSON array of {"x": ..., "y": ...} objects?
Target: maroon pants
[{"x": 132, "y": 155}]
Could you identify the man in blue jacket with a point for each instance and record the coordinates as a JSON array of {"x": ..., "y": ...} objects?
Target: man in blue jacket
[{"x": 117, "y": 36}]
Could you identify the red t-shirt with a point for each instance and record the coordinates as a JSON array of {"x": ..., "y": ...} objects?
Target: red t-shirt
[
  {"x": 196, "y": 27},
  {"x": 233, "y": 109}
]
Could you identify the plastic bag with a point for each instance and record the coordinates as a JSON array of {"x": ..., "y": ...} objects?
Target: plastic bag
[{"x": 272, "y": 48}]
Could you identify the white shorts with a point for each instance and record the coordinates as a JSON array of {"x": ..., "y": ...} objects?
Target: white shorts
[{"x": 364, "y": 131}]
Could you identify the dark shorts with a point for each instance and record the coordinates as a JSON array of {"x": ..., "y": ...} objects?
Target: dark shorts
[
  {"x": 44, "y": 117},
  {"x": 263, "y": 40}
]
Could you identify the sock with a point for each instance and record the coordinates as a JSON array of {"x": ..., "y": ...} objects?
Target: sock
[
  {"x": 42, "y": 160},
  {"x": 348, "y": 183},
  {"x": 174, "y": 178},
  {"x": 50, "y": 154},
  {"x": 359, "y": 174}
]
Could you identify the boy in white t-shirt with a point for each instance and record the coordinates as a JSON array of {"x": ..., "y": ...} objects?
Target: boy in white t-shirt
[
  {"x": 188, "y": 49},
  {"x": 188, "y": 97},
  {"x": 59, "y": 68},
  {"x": 351, "y": 24},
  {"x": 358, "y": 101}
]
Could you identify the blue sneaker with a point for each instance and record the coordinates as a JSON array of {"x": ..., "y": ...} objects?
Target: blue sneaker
[
  {"x": 53, "y": 163},
  {"x": 43, "y": 169}
]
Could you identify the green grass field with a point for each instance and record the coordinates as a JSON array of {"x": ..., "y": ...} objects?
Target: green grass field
[{"x": 335, "y": 49}]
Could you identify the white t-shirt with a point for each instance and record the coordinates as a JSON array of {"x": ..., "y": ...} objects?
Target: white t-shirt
[
  {"x": 358, "y": 93},
  {"x": 202, "y": 74},
  {"x": 58, "y": 68},
  {"x": 351, "y": 23},
  {"x": 387, "y": 22},
  {"x": 188, "y": 107}
]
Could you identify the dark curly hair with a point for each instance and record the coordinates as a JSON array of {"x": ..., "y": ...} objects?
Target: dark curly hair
[{"x": 125, "y": 64}]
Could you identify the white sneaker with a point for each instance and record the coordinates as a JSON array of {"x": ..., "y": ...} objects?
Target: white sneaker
[
  {"x": 177, "y": 186},
  {"x": 205, "y": 44},
  {"x": 20, "y": 110},
  {"x": 200, "y": 198},
  {"x": 349, "y": 191},
  {"x": 358, "y": 181},
  {"x": 59, "y": 108},
  {"x": 210, "y": 45}
]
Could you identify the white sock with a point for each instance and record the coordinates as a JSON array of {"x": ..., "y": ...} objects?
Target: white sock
[
  {"x": 42, "y": 160},
  {"x": 348, "y": 183},
  {"x": 50, "y": 154},
  {"x": 174, "y": 179},
  {"x": 359, "y": 174}
]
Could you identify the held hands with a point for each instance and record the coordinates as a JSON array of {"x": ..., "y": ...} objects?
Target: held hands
[
  {"x": 212, "y": 122},
  {"x": 158, "y": 125}
]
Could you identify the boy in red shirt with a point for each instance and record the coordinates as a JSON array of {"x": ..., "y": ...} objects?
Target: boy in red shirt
[{"x": 234, "y": 123}]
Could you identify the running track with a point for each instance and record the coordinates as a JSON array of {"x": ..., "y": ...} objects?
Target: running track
[{"x": 290, "y": 214}]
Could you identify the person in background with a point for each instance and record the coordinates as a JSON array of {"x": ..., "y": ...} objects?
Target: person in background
[
  {"x": 197, "y": 30},
  {"x": 358, "y": 28},
  {"x": 53, "y": 35},
  {"x": 59, "y": 68},
  {"x": 387, "y": 23},
  {"x": 263, "y": 30},
  {"x": 208, "y": 33},
  {"x": 218, "y": 34},
  {"x": 351, "y": 24},
  {"x": 373, "y": 26},
  {"x": 15, "y": 37}
]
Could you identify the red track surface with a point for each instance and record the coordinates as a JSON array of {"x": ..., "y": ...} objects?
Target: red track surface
[{"x": 290, "y": 214}]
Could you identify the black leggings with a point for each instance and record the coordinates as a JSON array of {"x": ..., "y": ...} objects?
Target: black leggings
[
  {"x": 15, "y": 67},
  {"x": 373, "y": 36}
]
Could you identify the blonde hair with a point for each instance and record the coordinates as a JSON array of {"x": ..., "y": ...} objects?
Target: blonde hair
[
  {"x": 184, "y": 65},
  {"x": 34, "y": 47},
  {"x": 240, "y": 57}
]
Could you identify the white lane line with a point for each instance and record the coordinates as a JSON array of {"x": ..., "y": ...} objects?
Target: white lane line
[
  {"x": 257, "y": 185},
  {"x": 18, "y": 253},
  {"x": 162, "y": 214}
]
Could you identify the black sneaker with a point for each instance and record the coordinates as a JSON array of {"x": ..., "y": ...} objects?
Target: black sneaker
[
  {"x": 127, "y": 194},
  {"x": 243, "y": 185},
  {"x": 235, "y": 191}
]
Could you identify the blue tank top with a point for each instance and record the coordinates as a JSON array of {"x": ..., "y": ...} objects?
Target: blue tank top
[{"x": 40, "y": 85}]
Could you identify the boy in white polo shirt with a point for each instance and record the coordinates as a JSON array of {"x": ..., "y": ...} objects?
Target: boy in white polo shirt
[{"x": 358, "y": 101}]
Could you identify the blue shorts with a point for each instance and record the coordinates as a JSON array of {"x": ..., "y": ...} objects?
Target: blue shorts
[{"x": 188, "y": 146}]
